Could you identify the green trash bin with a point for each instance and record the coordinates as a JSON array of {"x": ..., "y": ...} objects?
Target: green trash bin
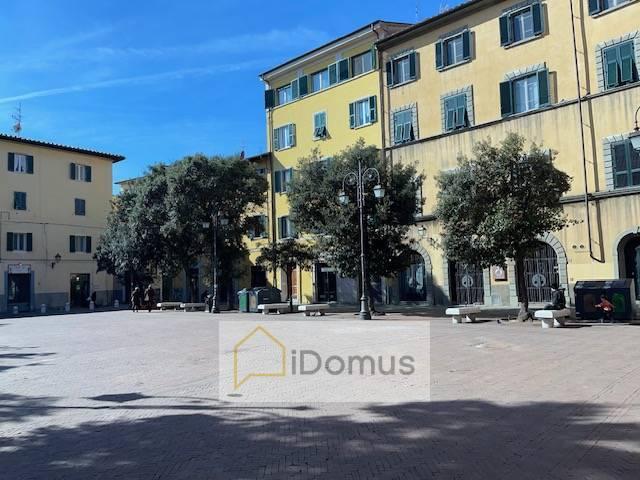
[{"x": 243, "y": 300}]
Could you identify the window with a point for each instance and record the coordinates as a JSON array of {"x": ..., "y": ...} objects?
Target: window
[
  {"x": 402, "y": 69},
  {"x": 453, "y": 50},
  {"x": 19, "y": 242},
  {"x": 597, "y": 6},
  {"x": 619, "y": 65},
  {"x": 284, "y": 137},
  {"x": 403, "y": 127},
  {"x": 258, "y": 227},
  {"x": 286, "y": 229},
  {"x": 521, "y": 24},
  {"x": 282, "y": 179},
  {"x": 19, "y": 201},
  {"x": 525, "y": 93},
  {"x": 362, "y": 63},
  {"x": 320, "y": 125},
  {"x": 285, "y": 94},
  {"x": 320, "y": 80},
  {"x": 455, "y": 112},
  {"x": 79, "y": 172},
  {"x": 19, "y": 163},
  {"x": 363, "y": 112},
  {"x": 79, "y": 244},
  {"x": 80, "y": 207},
  {"x": 626, "y": 165},
  {"x": 261, "y": 171}
]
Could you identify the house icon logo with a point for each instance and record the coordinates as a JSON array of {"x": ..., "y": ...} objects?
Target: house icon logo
[{"x": 264, "y": 354}]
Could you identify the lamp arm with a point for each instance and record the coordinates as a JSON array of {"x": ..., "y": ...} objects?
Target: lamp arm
[
  {"x": 371, "y": 170},
  {"x": 637, "y": 125},
  {"x": 346, "y": 177}
]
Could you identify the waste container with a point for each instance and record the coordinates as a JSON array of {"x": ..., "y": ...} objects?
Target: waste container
[
  {"x": 243, "y": 300},
  {"x": 263, "y": 296},
  {"x": 619, "y": 292}
]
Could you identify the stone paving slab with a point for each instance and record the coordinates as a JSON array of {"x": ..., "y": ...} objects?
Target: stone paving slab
[{"x": 132, "y": 396}]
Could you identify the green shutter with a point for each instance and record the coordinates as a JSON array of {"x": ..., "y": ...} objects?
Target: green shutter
[
  {"x": 29, "y": 242},
  {"x": 389, "y": 70},
  {"x": 536, "y": 13},
  {"x": 461, "y": 111},
  {"x": 412, "y": 65},
  {"x": 278, "y": 181},
  {"x": 72, "y": 244},
  {"x": 276, "y": 141},
  {"x": 594, "y": 6},
  {"x": 9, "y": 242},
  {"x": 626, "y": 62},
  {"x": 269, "y": 99},
  {"x": 295, "y": 89},
  {"x": 280, "y": 227},
  {"x": 11, "y": 162},
  {"x": 466, "y": 45},
  {"x": 439, "y": 56},
  {"x": 449, "y": 112},
  {"x": 505, "y": 34},
  {"x": 611, "y": 63},
  {"x": 292, "y": 135},
  {"x": 543, "y": 87},
  {"x": 72, "y": 171},
  {"x": 88, "y": 244},
  {"x": 373, "y": 109},
  {"x": 333, "y": 74},
  {"x": 374, "y": 57},
  {"x": 352, "y": 115},
  {"x": 303, "y": 83},
  {"x": 506, "y": 99},
  {"x": 398, "y": 133},
  {"x": 30, "y": 164},
  {"x": 87, "y": 173},
  {"x": 343, "y": 70}
]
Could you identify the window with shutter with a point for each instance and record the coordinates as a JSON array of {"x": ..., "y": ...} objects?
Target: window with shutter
[
  {"x": 525, "y": 93},
  {"x": 599, "y": 6},
  {"x": 403, "y": 126},
  {"x": 521, "y": 24},
  {"x": 19, "y": 200},
  {"x": 626, "y": 165},
  {"x": 362, "y": 63},
  {"x": 19, "y": 242},
  {"x": 80, "y": 207},
  {"x": 284, "y": 137},
  {"x": 333, "y": 73},
  {"x": 363, "y": 112},
  {"x": 619, "y": 64},
  {"x": 404, "y": 69},
  {"x": 19, "y": 163},
  {"x": 455, "y": 113},
  {"x": 278, "y": 181},
  {"x": 320, "y": 125},
  {"x": 343, "y": 70}
]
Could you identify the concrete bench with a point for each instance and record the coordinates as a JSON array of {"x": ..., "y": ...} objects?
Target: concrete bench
[
  {"x": 166, "y": 305},
  {"x": 553, "y": 318},
  {"x": 192, "y": 306},
  {"x": 463, "y": 314},
  {"x": 273, "y": 307},
  {"x": 316, "y": 309}
]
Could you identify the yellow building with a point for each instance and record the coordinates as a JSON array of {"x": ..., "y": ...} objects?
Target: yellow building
[
  {"x": 326, "y": 99},
  {"x": 54, "y": 202},
  {"x": 565, "y": 78}
]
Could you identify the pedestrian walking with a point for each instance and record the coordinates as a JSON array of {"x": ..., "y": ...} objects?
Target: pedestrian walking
[
  {"x": 149, "y": 297},
  {"x": 136, "y": 299}
]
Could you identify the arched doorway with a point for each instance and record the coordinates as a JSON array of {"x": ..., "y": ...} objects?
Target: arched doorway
[
  {"x": 467, "y": 284},
  {"x": 413, "y": 280},
  {"x": 629, "y": 260},
  {"x": 541, "y": 272}
]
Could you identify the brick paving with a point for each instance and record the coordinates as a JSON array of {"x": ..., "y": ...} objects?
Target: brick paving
[{"x": 132, "y": 396}]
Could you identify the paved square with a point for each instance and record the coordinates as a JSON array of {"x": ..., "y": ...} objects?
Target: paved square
[{"x": 133, "y": 396}]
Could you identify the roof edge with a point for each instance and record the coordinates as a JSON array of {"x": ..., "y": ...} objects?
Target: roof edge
[{"x": 56, "y": 146}]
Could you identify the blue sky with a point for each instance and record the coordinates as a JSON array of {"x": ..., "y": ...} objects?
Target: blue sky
[{"x": 157, "y": 80}]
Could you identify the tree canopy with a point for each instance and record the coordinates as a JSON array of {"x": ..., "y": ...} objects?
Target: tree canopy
[{"x": 496, "y": 204}]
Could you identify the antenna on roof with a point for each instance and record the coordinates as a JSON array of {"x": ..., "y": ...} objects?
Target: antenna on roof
[
  {"x": 417, "y": 10},
  {"x": 444, "y": 6},
  {"x": 17, "y": 127}
]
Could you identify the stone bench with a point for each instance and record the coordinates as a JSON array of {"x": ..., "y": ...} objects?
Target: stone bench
[
  {"x": 553, "y": 318},
  {"x": 273, "y": 307},
  {"x": 316, "y": 308},
  {"x": 463, "y": 314},
  {"x": 166, "y": 305},
  {"x": 192, "y": 306}
]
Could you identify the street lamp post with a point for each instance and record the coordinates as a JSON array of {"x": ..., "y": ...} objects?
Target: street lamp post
[
  {"x": 359, "y": 179},
  {"x": 217, "y": 220},
  {"x": 635, "y": 135}
]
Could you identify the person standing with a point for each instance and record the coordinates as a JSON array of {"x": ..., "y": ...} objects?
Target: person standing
[
  {"x": 136, "y": 299},
  {"x": 607, "y": 308},
  {"x": 149, "y": 296}
]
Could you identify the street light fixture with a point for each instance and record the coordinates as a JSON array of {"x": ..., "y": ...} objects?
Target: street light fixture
[
  {"x": 359, "y": 179},
  {"x": 217, "y": 221},
  {"x": 56, "y": 260},
  {"x": 635, "y": 135}
]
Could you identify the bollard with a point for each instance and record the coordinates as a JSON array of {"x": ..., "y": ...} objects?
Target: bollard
[
  {"x": 92, "y": 306},
  {"x": 67, "y": 307},
  {"x": 43, "y": 308},
  {"x": 116, "y": 303},
  {"x": 15, "y": 309}
]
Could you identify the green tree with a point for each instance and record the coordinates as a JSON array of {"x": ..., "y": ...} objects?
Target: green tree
[
  {"x": 316, "y": 211},
  {"x": 496, "y": 204},
  {"x": 286, "y": 255}
]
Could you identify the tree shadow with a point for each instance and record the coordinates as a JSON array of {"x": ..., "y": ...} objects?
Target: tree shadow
[
  {"x": 447, "y": 439},
  {"x": 26, "y": 358}
]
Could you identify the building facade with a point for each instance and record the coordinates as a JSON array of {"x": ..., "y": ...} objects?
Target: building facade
[
  {"x": 563, "y": 74},
  {"x": 324, "y": 101},
  {"x": 54, "y": 202}
]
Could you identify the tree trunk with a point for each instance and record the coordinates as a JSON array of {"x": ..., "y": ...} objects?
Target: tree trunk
[
  {"x": 523, "y": 294},
  {"x": 289, "y": 289}
]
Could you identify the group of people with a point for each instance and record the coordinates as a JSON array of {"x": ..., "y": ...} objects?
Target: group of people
[
  {"x": 138, "y": 297},
  {"x": 559, "y": 302}
]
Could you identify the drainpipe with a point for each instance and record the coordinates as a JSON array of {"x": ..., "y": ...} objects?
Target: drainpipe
[
  {"x": 582, "y": 140},
  {"x": 381, "y": 88},
  {"x": 272, "y": 195}
]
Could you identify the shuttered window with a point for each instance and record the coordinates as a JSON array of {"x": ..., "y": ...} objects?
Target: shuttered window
[
  {"x": 525, "y": 93},
  {"x": 19, "y": 200},
  {"x": 282, "y": 180},
  {"x": 19, "y": 242},
  {"x": 320, "y": 80},
  {"x": 402, "y": 69},
  {"x": 619, "y": 64},
  {"x": 403, "y": 127},
  {"x": 80, "y": 207},
  {"x": 79, "y": 172},
  {"x": 362, "y": 63},
  {"x": 79, "y": 244},
  {"x": 284, "y": 137},
  {"x": 598, "y": 6},
  {"x": 257, "y": 227},
  {"x": 286, "y": 229},
  {"x": 319, "y": 125},
  {"x": 521, "y": 24},
  {"x": 626, "y": 165},
  {"x": 19, "y": 163},
  {"x": 455, "y": 112},
  {"x": 363, "y": 112},
  {"x": 453, "y": 50}
]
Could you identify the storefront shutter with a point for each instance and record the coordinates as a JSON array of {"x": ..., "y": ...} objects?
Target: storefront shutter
[{"x": 506, "y": 99}]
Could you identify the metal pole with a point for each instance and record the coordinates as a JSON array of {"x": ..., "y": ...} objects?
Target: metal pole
[
  {"x": 214, "y": 269},
  {"x": 365, "y": 314}
]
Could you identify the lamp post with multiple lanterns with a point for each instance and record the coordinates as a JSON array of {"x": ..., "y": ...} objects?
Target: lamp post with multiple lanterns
[
  {"x": 359, "y": 179},
  {"x": 217, "y": 221},
  {"x": 635, "y": 135}
]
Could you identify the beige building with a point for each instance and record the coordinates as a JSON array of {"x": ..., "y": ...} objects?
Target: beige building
[
  {"x": 54, "y": 202},
  {"x": 563, "y": 73}
]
